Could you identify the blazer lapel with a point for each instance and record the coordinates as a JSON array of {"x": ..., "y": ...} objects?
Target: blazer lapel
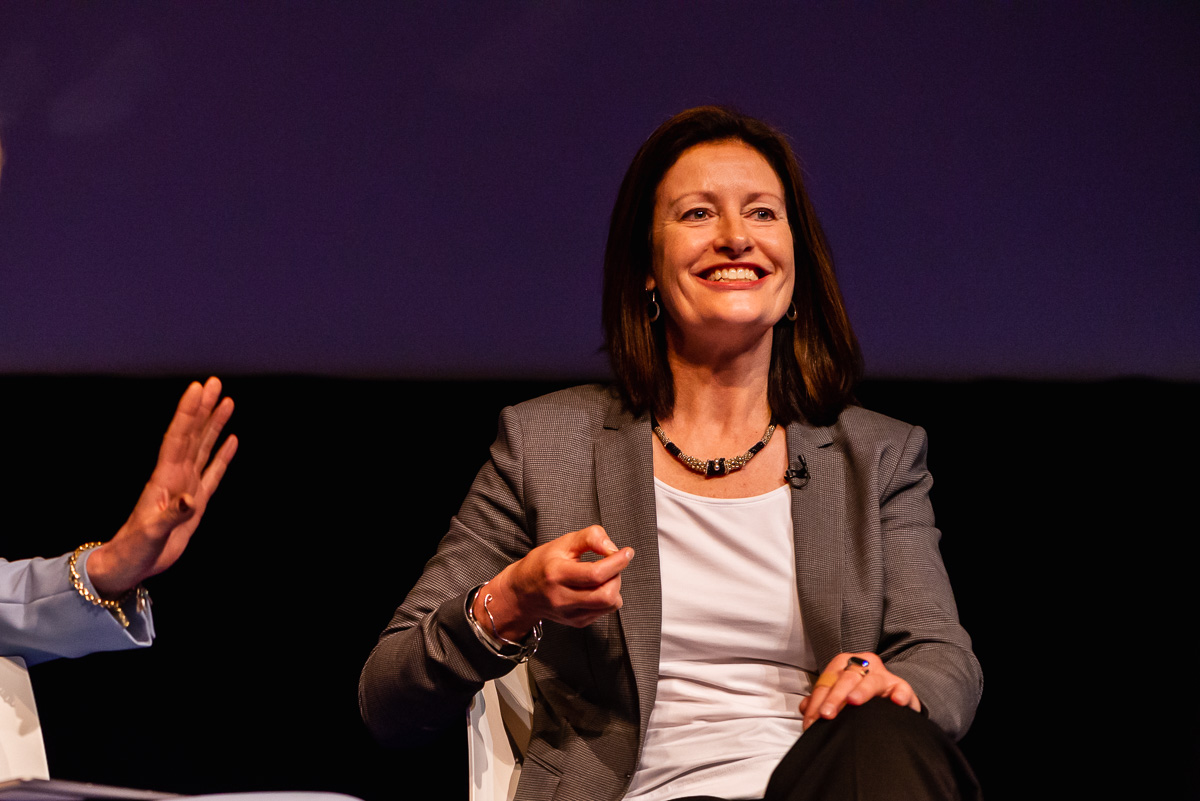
[
  {"x": 624, "y": 465},
  {"x": 819, "y": 521},
  {"x": 625, "y": 492}
]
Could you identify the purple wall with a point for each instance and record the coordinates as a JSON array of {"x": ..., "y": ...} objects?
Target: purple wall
[{"x": 383, "y": 189}]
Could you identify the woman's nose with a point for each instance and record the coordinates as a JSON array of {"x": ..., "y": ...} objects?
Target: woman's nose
[{"x": 732, "y": 236}]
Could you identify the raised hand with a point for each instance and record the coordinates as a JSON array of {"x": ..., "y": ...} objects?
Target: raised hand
[
  {"x": 551, "y": 583},
  {"x": 174, "y": 499}
]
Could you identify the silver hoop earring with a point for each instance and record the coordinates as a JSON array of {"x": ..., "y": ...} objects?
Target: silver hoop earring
[
  {"x": 652, "y": 307},
  {"x": 792, "y": 314}
]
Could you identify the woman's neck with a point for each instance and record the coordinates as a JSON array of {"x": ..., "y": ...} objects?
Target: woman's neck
[{"x": 721, "y": 393}]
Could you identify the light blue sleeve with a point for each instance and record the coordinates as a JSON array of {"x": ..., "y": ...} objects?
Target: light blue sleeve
[{"x": 43, "y": 617}]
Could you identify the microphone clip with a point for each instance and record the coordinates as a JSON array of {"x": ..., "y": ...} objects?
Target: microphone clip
[{"x": 798, "y": 476}]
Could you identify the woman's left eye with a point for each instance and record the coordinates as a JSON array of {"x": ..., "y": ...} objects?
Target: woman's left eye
[{"x": 763, "y": 214}]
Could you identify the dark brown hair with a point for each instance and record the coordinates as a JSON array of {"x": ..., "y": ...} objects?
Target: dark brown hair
[{"x": 815, "y": 361}]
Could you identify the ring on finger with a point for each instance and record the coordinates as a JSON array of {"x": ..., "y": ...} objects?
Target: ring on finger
[{"x": 858, "y": 665}]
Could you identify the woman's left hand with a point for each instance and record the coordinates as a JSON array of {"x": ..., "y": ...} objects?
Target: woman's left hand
[{"x": 843, "y": 684}]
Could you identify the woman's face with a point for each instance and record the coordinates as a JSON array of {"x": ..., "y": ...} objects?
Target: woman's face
[{"x": 722, "y": 246}]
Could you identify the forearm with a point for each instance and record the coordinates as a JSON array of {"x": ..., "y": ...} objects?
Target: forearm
[
  {"x": 422, "y": 675},
  {"x": 948, "y": 681},
  {"x": 922, "y": 640},
  {"x": 42, "y": 616},
  {"x": 428, "y": 662},
  {"x": 113, "y": 570}
]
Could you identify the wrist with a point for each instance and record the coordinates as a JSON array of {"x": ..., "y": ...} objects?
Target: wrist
[
  {"x": 133, "y": 600},
  {"x": 503, "y": 611},
  {"x": 102, "y": 573},
  {"x": 487, "y": 634},
  {"x": 109, "y": 573}
]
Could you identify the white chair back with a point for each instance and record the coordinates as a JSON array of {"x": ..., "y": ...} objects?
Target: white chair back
[
  {"x": 22, "y": 753},
  {"x": 499, "y": 721}
]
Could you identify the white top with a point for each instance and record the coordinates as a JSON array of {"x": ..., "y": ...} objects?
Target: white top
[{"x": 732, "y": 668}]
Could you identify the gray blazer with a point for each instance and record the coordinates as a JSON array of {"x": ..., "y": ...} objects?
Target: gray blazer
[{"x": 868, "y": 569}]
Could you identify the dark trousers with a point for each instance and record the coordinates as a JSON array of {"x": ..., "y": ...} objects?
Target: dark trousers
[{"x": 874, "y": 752}]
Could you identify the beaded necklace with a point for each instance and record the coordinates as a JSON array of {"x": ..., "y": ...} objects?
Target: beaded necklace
[{"x": 711, "y": 468}]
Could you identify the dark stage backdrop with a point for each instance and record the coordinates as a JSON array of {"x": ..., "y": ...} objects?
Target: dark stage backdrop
[
  {"x": 411, "y": 198},
  {"x": 1061, "y": 507},
  {"x": 422, "y": 189}
]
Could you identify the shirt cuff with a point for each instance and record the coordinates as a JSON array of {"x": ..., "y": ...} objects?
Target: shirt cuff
[{"x": 136, "y": 605}]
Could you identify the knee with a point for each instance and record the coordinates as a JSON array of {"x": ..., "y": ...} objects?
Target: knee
[
  {"x": 881, "y": 719},
  {"x": 879, "y": 750}
]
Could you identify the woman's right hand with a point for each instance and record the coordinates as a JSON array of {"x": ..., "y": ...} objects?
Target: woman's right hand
[
  {"x": 174, "y": 499},
  {"x": 552, "y": 583}
]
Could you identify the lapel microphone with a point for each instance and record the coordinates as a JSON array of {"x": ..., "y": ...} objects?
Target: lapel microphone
[{"x": 798, "y": 476}]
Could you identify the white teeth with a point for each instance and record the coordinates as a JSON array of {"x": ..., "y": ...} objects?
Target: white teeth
[{"x": 732, "y": 274}]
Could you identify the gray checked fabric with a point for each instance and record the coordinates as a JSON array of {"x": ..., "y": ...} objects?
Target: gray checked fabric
[{"x": 869, "y": 573}]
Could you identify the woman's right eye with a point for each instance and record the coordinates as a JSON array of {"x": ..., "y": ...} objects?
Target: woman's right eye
[{"x": 697, "y": 214}]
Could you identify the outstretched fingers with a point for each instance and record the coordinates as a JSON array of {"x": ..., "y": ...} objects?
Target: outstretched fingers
[
  {"x": 176, "y": 441},
  {"x": 198, "y": 421},
  {"x": 215, "y": 471},
  {"x": 213, "y": 425},
  {"x": 174, "y": 499}
]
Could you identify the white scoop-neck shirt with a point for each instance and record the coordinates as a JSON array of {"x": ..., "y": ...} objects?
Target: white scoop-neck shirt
[{"x": 734, "y": 661}]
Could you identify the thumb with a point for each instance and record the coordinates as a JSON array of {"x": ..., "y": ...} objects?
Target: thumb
[
  {"x": 595, "y": 539},
  {"x": 179, "y": 510}
]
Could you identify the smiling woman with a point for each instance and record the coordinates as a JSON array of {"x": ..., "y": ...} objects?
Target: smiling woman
[
  {"x": 787, "y": 578},
  {"x": 819, "y": 363},
  {"x": 722, "y": 250}
]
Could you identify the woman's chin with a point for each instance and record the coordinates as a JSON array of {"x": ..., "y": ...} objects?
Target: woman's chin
[
  {"x": 747, "y": 321},
  {"x": 724, "y": 332}
]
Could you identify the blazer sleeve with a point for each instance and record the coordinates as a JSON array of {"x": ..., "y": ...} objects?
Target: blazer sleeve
[
  {"x": 428, "y": 663},
  {"x": 922, "y": 640},
  {"x": 43, "y": 617}
]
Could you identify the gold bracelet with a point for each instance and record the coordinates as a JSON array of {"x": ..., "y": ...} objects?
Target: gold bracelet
[{"x": 77, "y": 582}]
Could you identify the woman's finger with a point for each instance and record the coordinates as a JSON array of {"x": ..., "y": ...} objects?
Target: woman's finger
[
  {"x": 812, "y": 709},
  {"x": 216, "y": 470},
  {"x": 587, "y": 575},
  {"x": 584, "y": 614},
  {"x": 845, "y": 674},
  {"x": 866, "y": 689},
  {"x": 212, "y": 429},
  {"x": 902, "y": 694},
  {"x": 175, "y": 441},
  {"x": 850, "y": 682}
]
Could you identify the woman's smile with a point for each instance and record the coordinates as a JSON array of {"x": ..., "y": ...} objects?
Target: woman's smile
[
  {"x": 720, "y": 224},
  {"x": 740, "y": 274}
]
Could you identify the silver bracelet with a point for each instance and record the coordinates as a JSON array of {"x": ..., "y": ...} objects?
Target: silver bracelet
[{"x": 525, "y": 650}]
